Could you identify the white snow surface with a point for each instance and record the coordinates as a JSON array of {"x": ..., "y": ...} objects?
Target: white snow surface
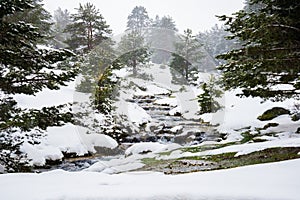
[
  {"x": 69, "y": 139},
  {"x": 137, "y": 114},
  {"x": 239, "y": 113},
  {"x": 274, "y": 181},
  {"x": 176, "y": 129},
  {"x": 156, "y": 90}
]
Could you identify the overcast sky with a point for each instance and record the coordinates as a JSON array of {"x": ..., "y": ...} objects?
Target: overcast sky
[{"x": 198, "y": 15}]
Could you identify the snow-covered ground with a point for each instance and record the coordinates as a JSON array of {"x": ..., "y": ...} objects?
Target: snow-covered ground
[
  {"x": 237, "y": 113},
  {"x": 276, "y": 181},
  {"x": 102, "y": 179}
]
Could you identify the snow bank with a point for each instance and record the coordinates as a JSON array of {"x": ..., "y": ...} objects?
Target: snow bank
[
  {"x": 69, "y": 139},
  {"x": 243, "y": 112},
  {"x": 154, "y": 147},
  {"x": 274, "y": 181}
]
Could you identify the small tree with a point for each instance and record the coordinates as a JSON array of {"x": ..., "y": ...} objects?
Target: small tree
[
  {"x": 88, "y": 28},
  {"x": 207, "y": 100},
  {"x": 188, "y": 48},
  {"x": 26, "y": 69}
]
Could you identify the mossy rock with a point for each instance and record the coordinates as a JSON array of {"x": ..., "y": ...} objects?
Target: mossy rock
[
  {"x": 273, "y": 113},
  {"x": 295, "y": 117},
  {"x": 268, "y": 125},
  {"x": 248, "y": 136}
]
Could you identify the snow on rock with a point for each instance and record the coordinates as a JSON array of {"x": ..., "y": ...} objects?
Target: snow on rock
[
  {"x": 167, "y": 102},
  {"x": 176, "y": 129},
  {"x": 156, "y": 90},
  {"x": 139, "y": 93},
  {"x": 121, "y": 73},
  {"x": 116, "y": 165},
  {"x": 274, "y": 181},
  {"x": 137, "y": 114},
  {"x": 69, "y": 139},
  {"x": 175, "y": 111},
  {"x": 146, "y": 147},
  {"x": 38, "y": 154},
  {"x": 151, "y": 91}
]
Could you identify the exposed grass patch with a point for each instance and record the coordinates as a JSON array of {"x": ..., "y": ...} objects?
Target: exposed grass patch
[
  {"x": 207, "y": 147},
  {"x": 167, "y": 153},
  {"x": 228, "y": 160}
]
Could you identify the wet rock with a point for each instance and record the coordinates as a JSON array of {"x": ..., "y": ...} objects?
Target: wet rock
[{"x": 103, "y": 151}]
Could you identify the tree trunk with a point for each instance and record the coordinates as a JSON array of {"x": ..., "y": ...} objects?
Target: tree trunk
[
  {"x": 134, "y": 67},
  {"x": 186, "y": 70}
]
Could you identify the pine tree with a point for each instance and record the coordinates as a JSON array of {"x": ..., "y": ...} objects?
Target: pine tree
[
  {"x": 215, "y": 43},
  {"x": 268, "y": 63},
  {"x": 95, "y": 64},
  {"x": 162, "y": 38},
  {"x": 37, "y": 16},
  {"x": 133, "y": 51},
  {"x": 207, "y": 100},
  {"x": 61, "y": 18},
  {"x": 189, "y": 49},
  {"x": 27, "y": 69},
  {"x": 88, "y": 29},
  {"x": 138, "y": 19}
]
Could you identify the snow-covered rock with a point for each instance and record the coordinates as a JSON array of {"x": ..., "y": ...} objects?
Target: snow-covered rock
[
  {"x": 167, "y": 102},
  {"x": 147, "y": 147},
  {"x": 137, "y": 114},
  {"x": 175, "y": 111},
  {"x": 176, "y": 129}
]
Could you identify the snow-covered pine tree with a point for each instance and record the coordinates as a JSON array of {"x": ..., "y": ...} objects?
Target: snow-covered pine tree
[
  {"x": 268, "y": 63},
  {"x": 207, "y": 100},
  {"x": 61, "y": 18},
  {"x": 189, "y": 48},
  {"x": 138, "y": 20},
  {"x": 88, "y": 28},
  {"x": 162, "y": 38},
  {"x": 38, "y": 17},
  {"x": 133, "y": 50},
  {"x": 215, "y": 43},
  {"x": 26, "y": 68}
]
